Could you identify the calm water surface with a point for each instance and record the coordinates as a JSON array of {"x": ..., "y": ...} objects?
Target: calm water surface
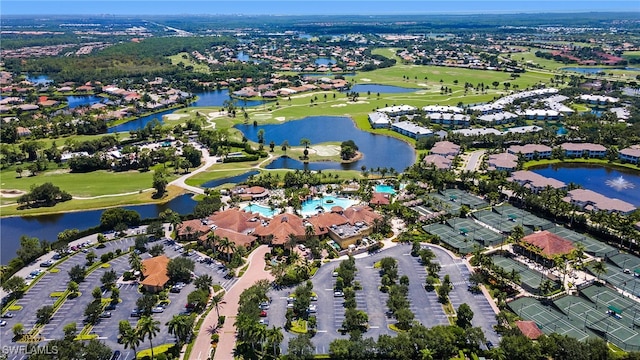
[{"x": 594, "y": 177}]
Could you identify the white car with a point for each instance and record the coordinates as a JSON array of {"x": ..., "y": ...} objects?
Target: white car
[
  {"x": 3, "y": 323},
  {"x": 157, "y": 309}
]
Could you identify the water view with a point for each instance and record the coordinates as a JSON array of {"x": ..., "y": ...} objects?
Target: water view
[
  {"x": 83, "y": 100},
  {"x": 39, "y": 80},
  {"x": 231, "y": 179},
  {"x": 325, "y": 61},
  {"x": 597, "y": 70},
  {"x": 383, "y": 89},
  {"x": 615, "y": 183},
  {"x": 206, "y": 98},
  {"x": 387, "y": 189},
  {"x": 325, "y": 203},
  {"x": 47, "y": 227},
  {"x": 378, "y": 150}
]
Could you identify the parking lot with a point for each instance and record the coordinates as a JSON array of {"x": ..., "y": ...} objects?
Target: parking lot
[{"x": 425, "y": 305}]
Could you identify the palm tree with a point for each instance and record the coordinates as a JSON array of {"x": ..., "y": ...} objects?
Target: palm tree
[
  {"x": 148, "y": 327},
  {"x": 130, "y": 339},
  {"x": 227, "y": 246},
  {"x": 135, "y": 261},
  {"x": 204, "y": 282},
  {"x": 291, "y": 242},
  {"x": 305, "y": 142},
  {"x": 213, "y": 240},
  {"x": 599, "y": 268},
  {"x": 426, "y": 354},
  {"x": 181, "y": 326},
  {"x": 216, "y": 300},
  {"x": 285, "y": 146},
  {"x": 275, "y": 337}
]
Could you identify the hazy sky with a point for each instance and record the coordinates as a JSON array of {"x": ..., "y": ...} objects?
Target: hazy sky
[{"x": 307, "y": 7}]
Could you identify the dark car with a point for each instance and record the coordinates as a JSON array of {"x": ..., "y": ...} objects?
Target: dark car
[
  {"x": 110, "y": 307},
  {"x": 489, "y": 345},
  {"x": 116, "y": 355}
]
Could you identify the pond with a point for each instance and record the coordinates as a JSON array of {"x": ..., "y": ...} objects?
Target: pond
[
  {"x": 242, "y": 56},
  {"x": 383, "y": 89},
  {"x": 39, "y": 80},
  {"x": 206, "y": 98},
  {"x": 378, "y": 150},
  {"x": 48, "y": 226},
  {"x": 231, "y": 179},
  {"x": 596, "y": 178},
  {"x": 596, "y": 70},
  {"x": 325, "y": 61},
  {"x": 83, "y": 100}
]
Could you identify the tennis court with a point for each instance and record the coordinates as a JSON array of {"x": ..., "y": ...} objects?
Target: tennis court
[
  {"x": 464, "y": 198},
  {"x": 616, "y": 277},
  {"x": 530, "y": 279},
  {"x": 625, "y": 261},
  {"x": 504, "y": 223},
  {"x": 591, "y": 245},
  {"x": 438, "y": 202},
  {"x": 601, "y": 295},
  {"x": 451, "y": 237},
  {"x": 547, "y": 318}
]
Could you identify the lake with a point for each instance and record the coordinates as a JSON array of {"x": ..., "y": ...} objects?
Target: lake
[
  {"x": 594, "y": 177},
  {"x": 596, "y": 70},
  {"x": 383, "y": 89},
  {"x": 325, "y": 61},
  {"x": 48, "y": 226},
  {"x": 39, "y": 80},
  {"x": 206, "y": 98},
  {"x": 231, "y": 179},
  {"x": 83, "y": 100},
  {"x": 378, "y": 150}
]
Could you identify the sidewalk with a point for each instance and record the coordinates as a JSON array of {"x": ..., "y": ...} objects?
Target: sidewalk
[{"x": 229, "y": 309}]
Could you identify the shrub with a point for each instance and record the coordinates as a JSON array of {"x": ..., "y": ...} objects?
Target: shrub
[
  {"x": 221, "y": 320},
  {"x": 215, "y": 338}
]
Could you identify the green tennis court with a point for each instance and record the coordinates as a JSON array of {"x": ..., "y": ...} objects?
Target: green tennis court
[
  {"x": 530, "y": 279},
  {"x": 591, "y": 245}
]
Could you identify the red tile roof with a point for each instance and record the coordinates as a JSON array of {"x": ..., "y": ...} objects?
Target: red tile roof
[
  {"x": 281, "y": 226},
  {"x": 235, "y": 219},
  {"x": 549, "y": 243},
  {"x": 529, "y": 329},
  {"x": 380, "y": 199},
  {"x": 154, "y": 271}
]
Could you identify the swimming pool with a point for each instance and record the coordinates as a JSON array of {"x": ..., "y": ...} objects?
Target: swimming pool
[
  {"x": 311, "y": 207},
  {"x": 262, "y": 210},
  {"x": 388, "y": 189}
]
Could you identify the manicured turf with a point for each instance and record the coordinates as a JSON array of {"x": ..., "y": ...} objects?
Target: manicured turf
[{"x": 189, "y": 61}]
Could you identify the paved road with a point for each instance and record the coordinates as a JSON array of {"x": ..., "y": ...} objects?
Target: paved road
[
  {"x": 474, "y": 161},
  {"x": 208, "y": 162}
]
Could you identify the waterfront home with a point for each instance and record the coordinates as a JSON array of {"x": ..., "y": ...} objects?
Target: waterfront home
[
  {"x": 630, "y": 154},
  {"x": 531, "y": 151},
  {"x": 583, "y": 149},
  {"x": 154, "y": 273},
  {"x": 411, "y": 130},
  {"x": 445, "y": 148},
  {"x": 535, "y": 182},
  {"x": 478, "y": 132},
  {"x": 503, "y": 161},
  {"x": 430, "y": 109},
  {"x": 379, "y": 120},
  {"x": 440, "y": 162},
  {"x": 592, "y": 201}
]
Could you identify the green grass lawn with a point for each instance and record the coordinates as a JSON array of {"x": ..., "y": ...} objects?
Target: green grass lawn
[{"x": 189, "y": 61}]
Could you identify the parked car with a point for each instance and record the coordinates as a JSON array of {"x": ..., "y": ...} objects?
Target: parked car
[
  {"x": 135, "y": 313},
  {"x": 116, "y": 355},
  {"x": 7, "y": 315},
  {"x": 263, "y": 313},
  {"x": 46, "y": 263},
  {"x": 105, "y": 314},
  {"x": 313, "y": 298},
  {"x": 312, "y": 309},
  {"x": 3, "y": 323},
  {"x": 264, "y": 322},
  {"x": 157, "y": 309},
  {"x": 338, "y": 293}
]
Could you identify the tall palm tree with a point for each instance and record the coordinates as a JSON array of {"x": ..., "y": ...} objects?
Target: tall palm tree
[
  {"x": 216, "y": 300},
  {"x": 130, "y": 339},
  {"x": 291, "y": 242},
  {"x": 305, "y": 142},
  {"x": 135, "y": 261},
  {"x": 599, "y": 268},
  {"x": 213, "y": 240},
  {"x": 181, "y": 326},
  {"x": 227, "y": 246},
  {"x": 275, "y": 337},
  {"x": 149, "y": 328}
]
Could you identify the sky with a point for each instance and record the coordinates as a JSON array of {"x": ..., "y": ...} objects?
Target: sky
[{"x": 307, "y": 7}]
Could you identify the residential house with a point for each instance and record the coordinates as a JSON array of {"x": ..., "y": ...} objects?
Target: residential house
[
  {"x": 411, "y": 130},
  {"x": 592, "y": 201},
  {"x": 630, "y": 154},
  {"x": 379, "y": 120},
  {"x": 531, "y": 151},
  {"x": 535, "y": 182},
  {"x": 503, "y": 161},
  {"x": 445, "y": 148},
  {"x": 440, "y": 162},
  {"x": 584, "y": 149}
]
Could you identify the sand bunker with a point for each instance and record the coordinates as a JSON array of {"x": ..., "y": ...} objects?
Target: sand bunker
[
  {"x": 175, "y": 116},
  {"x": 357, "y": 102},
  {"x": 339, "y": 105},
  {"x": 11, "y": 193},
  {"x": 326, "y": 150},
  {"x": 422, "y": 84},
  {"x": 366, "y": 80},
  {"x": 280, "y": 118}
]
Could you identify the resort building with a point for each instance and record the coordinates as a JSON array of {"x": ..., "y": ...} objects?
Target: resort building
[
  {"x": 478, "y": 132},
  {"x": 233, "y": 224},
  {"x": 411, "y": 130},
  {"x": 531, "y": 151},
  {"x": 541, "y": 114},
  {"x": 154, "y": 273},
  {"x": 445, "y": 148},
  {"x": 486, "y": 109},
  {"x": 449, "y": 119},
  {"x": 503, "y": 161},
  {"x": 585, "y": 149},
  {"x": 398, "y": 110},
  {"x": 378, "y": 198},
  {"x": 598, "y": 99},
  {"x": 430, "y": 109},
  {"x": 498, "y": 118},
  {"x": 522, "y": 129},
  {"x": 544, "y": 247},
  {"x": 535, "y": 182},
  {"x": 630, "y": 154},
  {"x": 592, "y": 201},
  {"x": 379, "y": 120},
  {"x": 439, "y": 161},
  {"x": 250, "y": 193}
]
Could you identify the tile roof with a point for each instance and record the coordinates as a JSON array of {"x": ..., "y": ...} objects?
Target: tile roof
[
  {"x": 154, "y": 271},
  {"x": 549, "y": 243}
]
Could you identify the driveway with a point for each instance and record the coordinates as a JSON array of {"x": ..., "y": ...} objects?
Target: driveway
[{"x": 474, "y": 160}]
